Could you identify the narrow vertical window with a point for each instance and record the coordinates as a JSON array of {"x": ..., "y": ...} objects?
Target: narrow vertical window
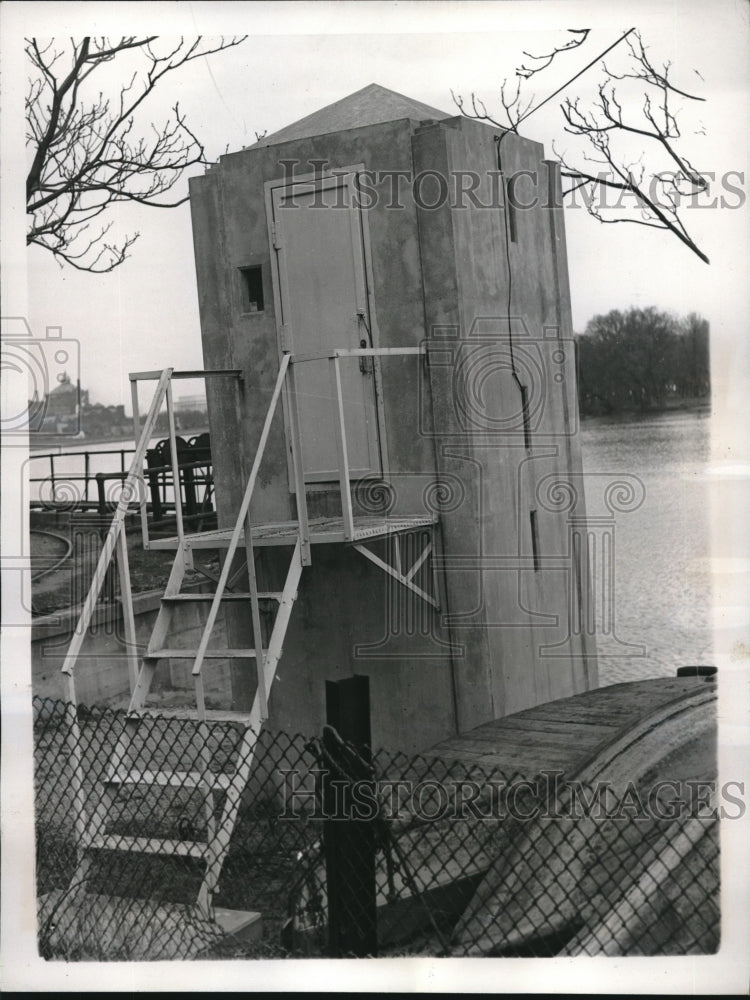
[
  {"x": 534, "y": 538},
  {"x": 251, "y": 281},
  {"x": 525, "y": 417},
  {"x": 511, "y": 209}
]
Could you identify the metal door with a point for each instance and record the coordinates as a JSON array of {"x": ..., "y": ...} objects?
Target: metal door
[{"x": 317, "y": 235}]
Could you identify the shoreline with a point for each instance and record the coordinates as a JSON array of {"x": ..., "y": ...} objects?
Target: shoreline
[
  {"x": 702, "y": 405},
  {"x": 72, "y": 443}
]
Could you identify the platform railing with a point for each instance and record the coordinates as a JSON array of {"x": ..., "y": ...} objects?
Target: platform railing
[
  {"x": 149, "y": 376},
  {"x": 334, "y": 359},
  {"x": 55, "y": 478}
]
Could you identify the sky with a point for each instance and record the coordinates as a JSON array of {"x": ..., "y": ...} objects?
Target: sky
[{"x": 145, "y": 314}]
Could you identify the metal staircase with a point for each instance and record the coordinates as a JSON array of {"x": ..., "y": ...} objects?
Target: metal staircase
[
  {"x": 221, "y": 790},
  {"x": 92, "y": 831}
]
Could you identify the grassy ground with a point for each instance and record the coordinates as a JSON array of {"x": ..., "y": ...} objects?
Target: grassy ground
[
  {"x": 152, "y": 895},
  {"x": 61, "y": 578}
]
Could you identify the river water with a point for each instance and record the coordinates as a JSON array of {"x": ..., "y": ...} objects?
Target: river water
[
  {"x": 662, "y": 584},
  {"x": 662, "y": 581}
]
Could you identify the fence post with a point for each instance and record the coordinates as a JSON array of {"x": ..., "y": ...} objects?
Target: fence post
[
  {"x": 349, "y": 842},
  {"x": 101, "y": 494}
]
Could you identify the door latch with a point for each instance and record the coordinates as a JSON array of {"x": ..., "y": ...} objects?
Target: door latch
[{"x": 365, "y": 363}]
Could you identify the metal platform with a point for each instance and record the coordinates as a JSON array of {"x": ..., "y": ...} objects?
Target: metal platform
[{"x": 325, "y": 530}]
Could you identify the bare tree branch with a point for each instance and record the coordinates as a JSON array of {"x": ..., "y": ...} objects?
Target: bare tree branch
[
  {"x": 606, "y": 125},
  {"x": 86, "y": 152},
  {"x": 546, "y": 60}
]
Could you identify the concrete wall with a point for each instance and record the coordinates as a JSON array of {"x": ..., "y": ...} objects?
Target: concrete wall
[
  {"x": 439, "y": 275},
  {"x": 506, "y": 606},
  {"x": 101, "y": 673}
]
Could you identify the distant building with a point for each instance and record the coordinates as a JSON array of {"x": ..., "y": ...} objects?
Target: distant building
[
  {"x": 190, "y": 404},
  {"x": 62, "y": 406}
]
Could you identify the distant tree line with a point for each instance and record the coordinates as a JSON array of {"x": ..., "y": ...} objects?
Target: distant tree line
[{"x": 642, "y": 359}]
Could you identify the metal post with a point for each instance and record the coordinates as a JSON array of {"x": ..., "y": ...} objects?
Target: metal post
[
  {"x": 153, "y": 461},
  {"x": 349, "y": 835},
  {"x": 346, "y": 496},
  {"x": 126, "y": 600},
  {"x": 191, "y": 502},
  {"x": 101, "y": 494},
  {"x": 176, "y": 479},
  {"x": 137, "y": 435},
  {"x": 298, "y": 466}
]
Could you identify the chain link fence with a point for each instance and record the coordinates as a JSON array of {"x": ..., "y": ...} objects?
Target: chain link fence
[{"x": 400, "y": 854}]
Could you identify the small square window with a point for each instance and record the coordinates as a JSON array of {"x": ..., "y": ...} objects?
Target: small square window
[{"x": 251, "y": 281}]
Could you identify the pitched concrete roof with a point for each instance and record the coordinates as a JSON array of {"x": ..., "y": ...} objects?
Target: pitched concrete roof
[{"x": 370, "y": 106}]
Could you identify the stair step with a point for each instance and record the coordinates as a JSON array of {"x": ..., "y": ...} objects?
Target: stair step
[
  {"x": 212, "y": 714},
  {"x": 229, "y": 596},
  {"x": 175, "y": 779},
  {"x": 149, "y": 845},
  {"x": 190, "y": 654}
]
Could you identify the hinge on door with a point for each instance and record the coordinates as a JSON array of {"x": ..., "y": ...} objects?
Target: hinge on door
[
  {"x": 286, "y": 344},
  {"x": 275, "y": 238}
]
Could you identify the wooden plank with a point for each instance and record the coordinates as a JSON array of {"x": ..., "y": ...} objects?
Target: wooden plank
[
  {"x": 565, "y": 733},
  {"x": 230, "y": 595},
  {"x": 149, "y": 845},
  {"x": 564, "y": 726},
  {"x": 170, "y": 779},
  {"x": 529, "y": 741},
  {"x": 589, "y": 713},
  {"x": 212, "y": 714},
  {"x": 209, "y": 654}
]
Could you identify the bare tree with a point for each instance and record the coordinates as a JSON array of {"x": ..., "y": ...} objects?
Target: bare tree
[
  {"x": 630, "y": 148},
  {"x": 86, "y": 153}
]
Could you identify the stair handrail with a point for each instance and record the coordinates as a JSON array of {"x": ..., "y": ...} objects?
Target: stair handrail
[
  {"x": 128, "y": 492},
  {"x": 242, "y": 514}
]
